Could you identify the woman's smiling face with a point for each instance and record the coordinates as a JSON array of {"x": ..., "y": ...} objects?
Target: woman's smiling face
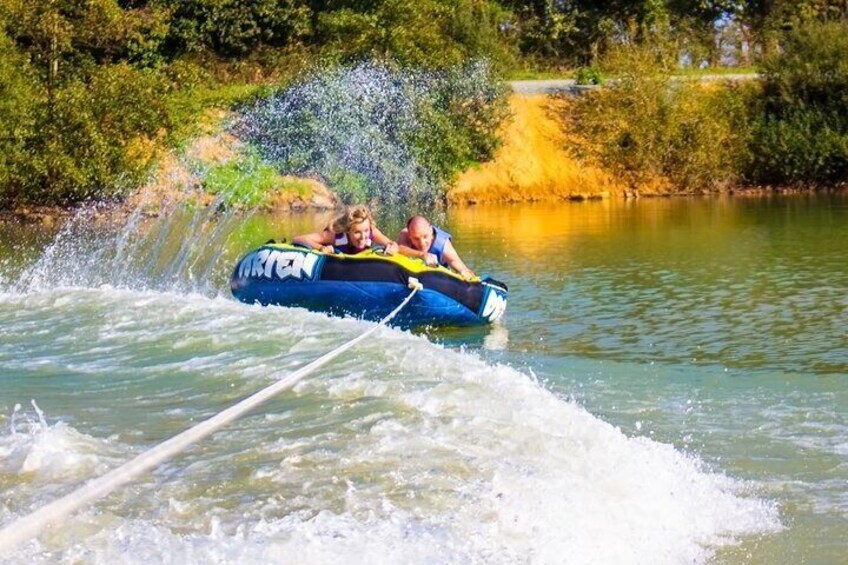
[{"x": 359, "y": 235}]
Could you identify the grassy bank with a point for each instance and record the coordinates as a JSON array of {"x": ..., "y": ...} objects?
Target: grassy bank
[
  {"x": 533, "y": 163},
  {"x": 647, "y": 133},
  {"x": 214, "y": 167}
]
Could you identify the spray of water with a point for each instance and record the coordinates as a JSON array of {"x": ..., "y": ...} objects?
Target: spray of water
[
  {"x": 178, "y": 250},
  {"x": 370, "y": 131},
  {"x": 373, "y": 132}
]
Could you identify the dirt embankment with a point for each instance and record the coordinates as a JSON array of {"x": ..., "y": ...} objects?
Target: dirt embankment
[{"x": 532, "y": 163}]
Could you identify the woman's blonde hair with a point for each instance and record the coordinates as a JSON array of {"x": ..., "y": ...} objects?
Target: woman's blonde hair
[{"x": 352, "y": 216}]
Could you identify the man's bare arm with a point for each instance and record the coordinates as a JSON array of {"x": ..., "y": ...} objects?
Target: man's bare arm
[{"x": 453, "y": 260}]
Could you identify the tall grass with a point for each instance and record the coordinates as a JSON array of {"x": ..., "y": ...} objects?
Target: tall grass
[{"x": 533, "y": 163}]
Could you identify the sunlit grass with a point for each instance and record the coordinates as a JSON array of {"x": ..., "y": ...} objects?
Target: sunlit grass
[
  {"x": 249, "y": 182},
  {"x": 533, "y": 163}
]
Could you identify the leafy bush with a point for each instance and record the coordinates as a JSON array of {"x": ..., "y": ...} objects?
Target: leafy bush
[
  {"x": 95, "y": 140},
  {"x": 802, "y": 146},
  {"x": 802, "y": 120},
  {"x": 18, "y": 95},
  {"x": 652, "y": 131},
  {"x": 91, "y": 138},
  {"x": 588, "y": 75}
]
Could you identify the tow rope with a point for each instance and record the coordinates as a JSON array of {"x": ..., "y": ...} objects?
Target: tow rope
[{"x": 31, "y": 525}]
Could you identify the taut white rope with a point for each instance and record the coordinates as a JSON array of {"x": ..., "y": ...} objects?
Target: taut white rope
[{"x": 33, "y": 524}]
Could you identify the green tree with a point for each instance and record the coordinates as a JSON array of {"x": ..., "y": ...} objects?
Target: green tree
[
  {"x": 803, "y": 129},
  {"x": 103, "y": 127},
  {"x": 18, "y": 95},
  {"x": 764, "y": 21},
  {"x": 695, "y": 26},
  {"x": 428, "y": 33},
  {"x": 86, "y": 104},
  {"x": 580, "y": 31},
  {"x": 233, "y": 28}
]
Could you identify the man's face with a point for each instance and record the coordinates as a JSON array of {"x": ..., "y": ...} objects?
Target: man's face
[
  {"x": 421, "y": 237},
  {"x": 359, "y": 235}
]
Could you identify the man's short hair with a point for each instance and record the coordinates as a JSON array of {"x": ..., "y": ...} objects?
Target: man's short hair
[{"x": 417, "y": 219}]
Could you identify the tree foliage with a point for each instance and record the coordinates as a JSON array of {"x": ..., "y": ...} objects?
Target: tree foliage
[
  {"x": 233, "y": 28},
  {"x": 670, "y": 135},
  {"x": 18, "y": 92},
  {"x": 579, "y": 32},
  {"x": 802, "y": 129},
  {"x": 83, "y": 101},
  {"x": 429, "y": 33}
]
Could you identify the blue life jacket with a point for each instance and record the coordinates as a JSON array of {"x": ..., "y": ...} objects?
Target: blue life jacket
[{"x": 440, "y": 239}]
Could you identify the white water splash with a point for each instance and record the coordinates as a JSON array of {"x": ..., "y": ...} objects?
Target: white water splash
[
  {"x": 50, "y": 453},
  {"x": 181, "y": 250},
  {"x": 368, "y": 130}
]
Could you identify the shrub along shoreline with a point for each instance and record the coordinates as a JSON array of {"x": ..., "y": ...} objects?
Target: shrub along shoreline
[{"x": 647, "y": 134}]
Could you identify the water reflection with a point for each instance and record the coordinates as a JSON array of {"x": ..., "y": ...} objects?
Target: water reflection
[
  {"x": 738, "y": 282},
  {"x": 497, "y": 338},
  {"x": 494, "y": 337}
]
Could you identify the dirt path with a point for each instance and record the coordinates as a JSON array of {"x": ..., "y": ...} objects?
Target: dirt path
[{"x": 531, "y": 87}]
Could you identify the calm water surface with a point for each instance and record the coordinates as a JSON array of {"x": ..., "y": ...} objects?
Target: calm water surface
[{"x": 668, "y": 386}]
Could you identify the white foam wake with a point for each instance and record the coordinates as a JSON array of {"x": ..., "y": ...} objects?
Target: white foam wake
[{"x": 404, "y": 452}]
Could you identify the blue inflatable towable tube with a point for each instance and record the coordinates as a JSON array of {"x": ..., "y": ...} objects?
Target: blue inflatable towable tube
[{"x": 368, "y": 285}]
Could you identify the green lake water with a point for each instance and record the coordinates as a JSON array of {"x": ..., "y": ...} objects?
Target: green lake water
[{"x": 668, "y": 385}]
